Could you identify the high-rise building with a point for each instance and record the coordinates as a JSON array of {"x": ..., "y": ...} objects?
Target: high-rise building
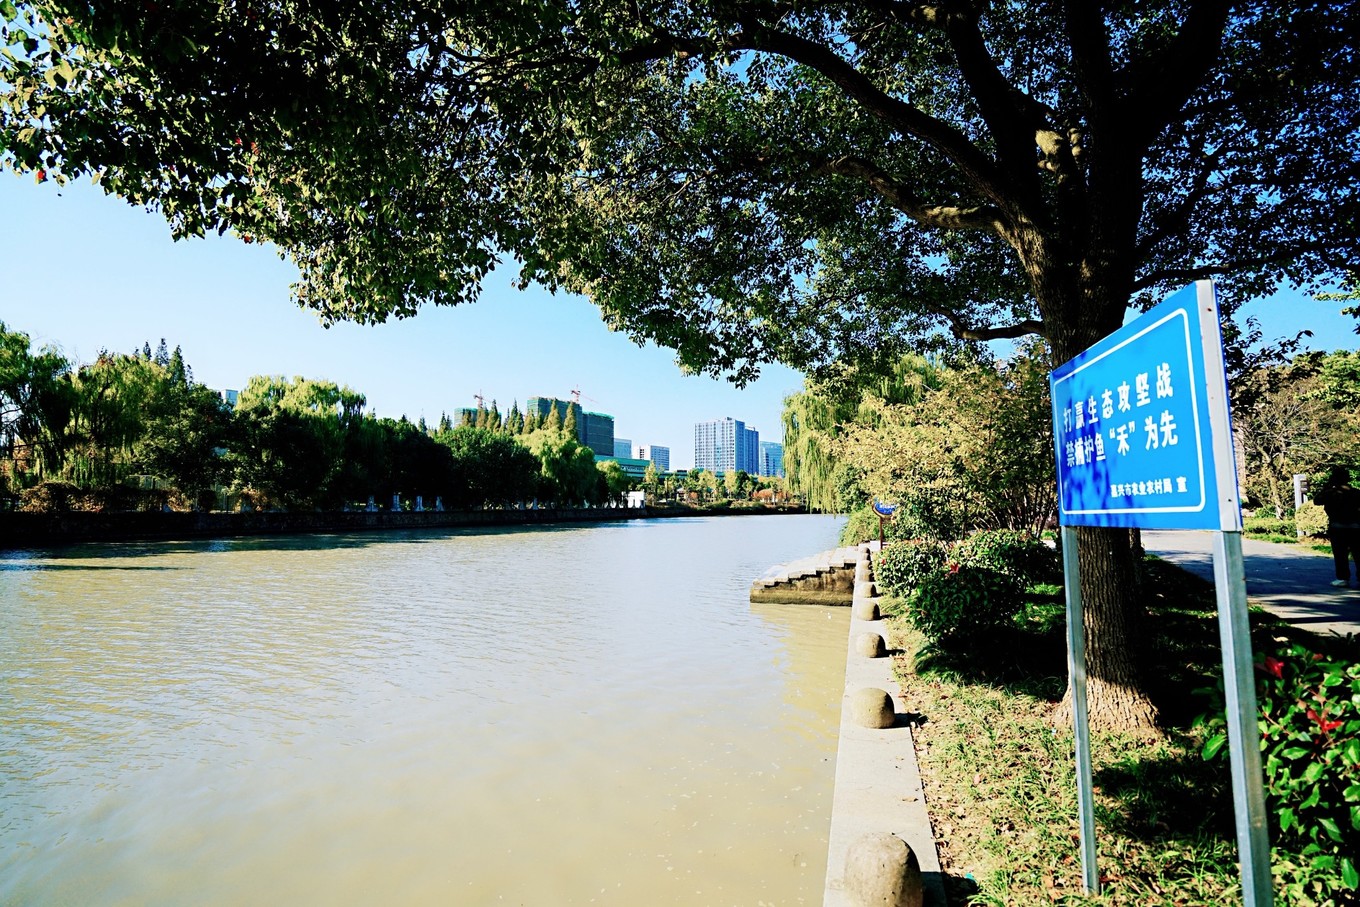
[
  {"x": 598, "y": 433},
  {"x": 623, "y": 447},
  {"x": 724, "y": 445},
  {"x": 771, "y": 459},
  {"x": 660, "y": 457},
  {"x": 544, "y": 405},
  {"x": 594, "y": 430}
]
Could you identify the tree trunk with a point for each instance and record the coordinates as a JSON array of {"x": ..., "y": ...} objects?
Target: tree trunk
[
  {"x": 1079, "y": 309},
  {"x": 1115, "y": 643}
]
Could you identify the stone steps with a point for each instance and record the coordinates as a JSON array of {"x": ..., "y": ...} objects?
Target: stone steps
[{"x": 824, "y": 578}]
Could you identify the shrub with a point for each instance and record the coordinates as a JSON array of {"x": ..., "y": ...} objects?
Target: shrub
[
  {"x": 48, "y": 497},
  {"x": 1311, "y": 519},
  {"x": 1019, "y": 555},
  {"x": 1310, "y": 744},
  {"x": 900, "y": 566},
  {"x": 1267, "y": 525},
  {"x": 862, "y": 526},
  {"x": 960, "y": 600}
]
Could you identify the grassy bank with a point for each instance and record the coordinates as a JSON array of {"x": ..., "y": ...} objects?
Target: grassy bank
[{"x": 1000, "y": 779}]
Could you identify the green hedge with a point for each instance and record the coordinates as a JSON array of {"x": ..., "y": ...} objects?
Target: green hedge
[
  {"x": 900, "y": 566},
  {"x": 1267, "y": 525},
  {"x": 959, "y": 600},
  {"x": 1019, "y": 555}
]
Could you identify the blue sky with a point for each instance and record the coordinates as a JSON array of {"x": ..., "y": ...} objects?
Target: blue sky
[{"x": 84, "y": 271}]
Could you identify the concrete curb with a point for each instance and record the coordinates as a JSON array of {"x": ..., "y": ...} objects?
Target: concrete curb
[{"x": 878, "y": 784}]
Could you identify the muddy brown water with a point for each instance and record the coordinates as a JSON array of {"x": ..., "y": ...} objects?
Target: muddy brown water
[{"x": 581, "y": 715}]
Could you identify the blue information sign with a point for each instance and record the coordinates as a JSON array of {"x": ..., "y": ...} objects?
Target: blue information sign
[{"x": 1141, "y": 427}]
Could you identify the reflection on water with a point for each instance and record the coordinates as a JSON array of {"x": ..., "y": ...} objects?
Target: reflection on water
[{"x": 539, "y": 716}]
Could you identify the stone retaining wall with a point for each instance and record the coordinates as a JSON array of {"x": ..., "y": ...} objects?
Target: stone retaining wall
[{"x": 25, "y": 530}]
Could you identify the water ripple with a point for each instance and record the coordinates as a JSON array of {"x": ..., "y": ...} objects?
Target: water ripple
[{"x": 342, "y": 719}]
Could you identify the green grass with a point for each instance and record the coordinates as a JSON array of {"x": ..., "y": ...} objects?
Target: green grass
[
  {"x": 1000, "y": 778},
  {"x": 1310, "y": 542}
]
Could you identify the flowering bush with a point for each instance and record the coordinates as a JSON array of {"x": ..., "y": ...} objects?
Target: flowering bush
[
  {"x": 959, "y": 599},
  {"x": 1310, "y": 745},
  {"x": 1019, "y": 555},
  {"x": 900, "y": 566}
]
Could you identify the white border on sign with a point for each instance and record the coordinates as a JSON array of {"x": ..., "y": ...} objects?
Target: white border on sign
[{"x": 1194, "y": 406}]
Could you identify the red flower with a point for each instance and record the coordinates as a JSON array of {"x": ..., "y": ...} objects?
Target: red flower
[
  {"x": 953, "y": 568},
  {"x": 1274, "y": 667},
  {"x": 1321, "y": 720}
]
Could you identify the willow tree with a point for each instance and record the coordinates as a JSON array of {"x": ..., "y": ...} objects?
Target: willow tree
[{"x": 739, "y": 180}]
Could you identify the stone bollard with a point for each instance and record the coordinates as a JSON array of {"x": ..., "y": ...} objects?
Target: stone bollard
[
  {"x": 881, "y": 870},
  {"x": 870, "y": 645},
  {"x": 872, "y": 708},
  {"x": 862, "y": 572},
  {"x": 867, "y": 589},
  {"x": 864, "y": 609}
]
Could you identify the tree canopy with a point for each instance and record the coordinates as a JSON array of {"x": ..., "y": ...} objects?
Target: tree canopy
[{"x": 739, "y": 181}]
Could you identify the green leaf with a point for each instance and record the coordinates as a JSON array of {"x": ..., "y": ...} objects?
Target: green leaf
[
  {"x": 1332, "y": 829},
  {"x": 1295, "y": 752},
  {"x": 7, "y": 10},
  {"x": 1213, "y": 745},
  {"x": 1350, "y": 877},
  {"x": 1313, "y": 773}
]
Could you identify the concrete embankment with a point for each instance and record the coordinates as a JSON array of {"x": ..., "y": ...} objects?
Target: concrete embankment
[
  {"x": 879, "y": 802},
  {"x": 880, "y": 849},
  {"x": 40, "y": 530}
]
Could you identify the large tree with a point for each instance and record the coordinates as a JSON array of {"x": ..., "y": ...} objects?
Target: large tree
[{"x": 740, "y": 180}]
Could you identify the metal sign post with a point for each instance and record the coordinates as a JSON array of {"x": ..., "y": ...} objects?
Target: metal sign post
[
  {"x": 1076, "y": 671},
  {"x": 1143, "y": 439},
  {"x": 1244, "y": 735}
]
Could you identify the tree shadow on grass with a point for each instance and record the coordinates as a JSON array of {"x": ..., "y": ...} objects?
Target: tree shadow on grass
[
  {"x": 1011, "y": 659},
  {"x": 1182, "y": 653},
  {"x": 1175, "y": 794}
]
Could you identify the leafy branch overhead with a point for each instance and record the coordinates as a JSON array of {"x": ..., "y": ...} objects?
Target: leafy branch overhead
[{"x": 740, "y": 181}]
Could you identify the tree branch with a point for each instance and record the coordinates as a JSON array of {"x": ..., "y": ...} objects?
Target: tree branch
[
  {"x": 1175, "y": 220},
  {"x": 1279, "y": 255},
  {"x": 1002, "y": 332},
  {"x": 1161, "y": 84},
  {"x": 1012, "y": 117},
  {"x": 1091, "y": 53},
  {"x": 901, "y": 196},
  {"x": 976, "y": 167},
  {"x": 963, "y": 330}
]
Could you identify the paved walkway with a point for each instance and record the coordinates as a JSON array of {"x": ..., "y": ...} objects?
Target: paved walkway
[{"x": 1290, "y": 582}]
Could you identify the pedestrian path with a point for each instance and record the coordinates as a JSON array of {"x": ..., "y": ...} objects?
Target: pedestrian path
[{"x": 1289, "y": 581}]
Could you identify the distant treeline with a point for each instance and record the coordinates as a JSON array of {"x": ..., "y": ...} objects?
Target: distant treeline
[{"x": 132, "y": 431}]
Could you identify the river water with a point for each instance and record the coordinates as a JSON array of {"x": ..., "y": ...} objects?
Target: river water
[{"x": 530, "y": 716}]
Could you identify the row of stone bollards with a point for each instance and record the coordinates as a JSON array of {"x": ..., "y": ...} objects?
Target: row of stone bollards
[{"x": 881, "y": 849}]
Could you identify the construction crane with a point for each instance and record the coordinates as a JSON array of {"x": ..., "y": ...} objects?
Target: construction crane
[
  {"x": 481, "y": 401},
  {"x": 576, "y": 396}
]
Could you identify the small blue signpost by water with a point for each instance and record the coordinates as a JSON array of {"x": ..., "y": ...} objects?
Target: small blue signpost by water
[
  {"x": 1143, "y": 439},
  {"x": 884, "y": 510}
]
